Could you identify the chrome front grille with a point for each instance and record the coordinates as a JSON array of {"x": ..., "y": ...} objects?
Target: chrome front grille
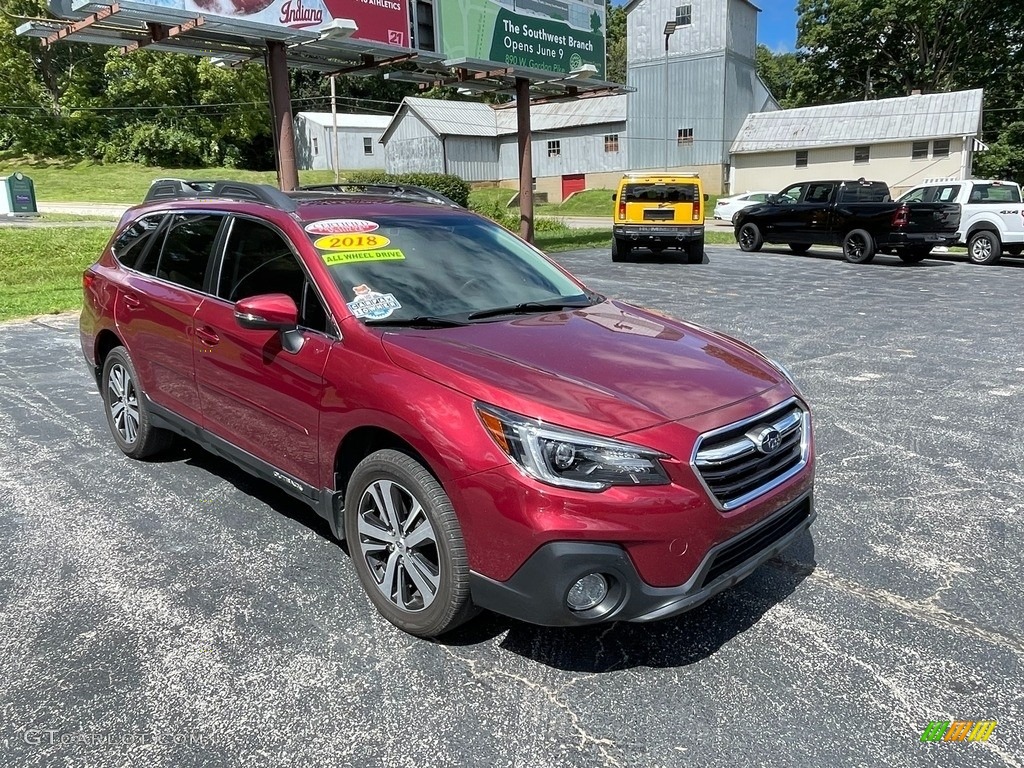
[{"x": 742, "y": 461}]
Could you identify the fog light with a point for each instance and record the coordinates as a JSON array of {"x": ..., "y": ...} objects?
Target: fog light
[{"x": 587, "y": 592}]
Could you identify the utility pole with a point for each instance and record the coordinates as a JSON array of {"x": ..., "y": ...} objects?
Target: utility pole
[{"x": 335, "y": 160}]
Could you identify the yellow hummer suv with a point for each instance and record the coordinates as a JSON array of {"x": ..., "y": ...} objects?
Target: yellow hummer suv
[{"x": 659, "y": 211}]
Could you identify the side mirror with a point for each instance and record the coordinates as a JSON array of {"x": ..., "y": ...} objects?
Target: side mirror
[
  {"x": 269, "y": 311},
  {"x": 706, "y": 197},
  {"x": 614, "y": 196}
]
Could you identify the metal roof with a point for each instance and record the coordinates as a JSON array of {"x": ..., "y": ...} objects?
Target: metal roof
[
  {"x": 473, "y": 118},
  {"x": 347, "y": 120},
  {"x": 936, "y": 115}
]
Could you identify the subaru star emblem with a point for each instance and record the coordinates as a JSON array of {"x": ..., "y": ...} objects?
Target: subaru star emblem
[{"x": 768, "y": 440}]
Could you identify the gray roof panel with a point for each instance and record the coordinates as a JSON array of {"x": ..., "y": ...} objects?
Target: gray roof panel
[{"x": 935, "y": 115}]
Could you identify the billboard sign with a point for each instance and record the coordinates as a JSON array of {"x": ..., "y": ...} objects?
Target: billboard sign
[
  {"x": 383, "y": 21},
  {"x": 556, "y": 35}
]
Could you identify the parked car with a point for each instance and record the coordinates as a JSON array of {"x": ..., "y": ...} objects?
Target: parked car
[
  {"x": 858, "y": 215},
  {"x": 727, "y": 207},
  {"x": 991, "y": 215},
  {"x": 481, "y": 429},
  {"x": 659, "y": 211}
]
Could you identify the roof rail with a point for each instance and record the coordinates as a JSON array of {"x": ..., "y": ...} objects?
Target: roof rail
[
  {"x": 176, "y": 189},
  {"x": 407, "y": 191}
]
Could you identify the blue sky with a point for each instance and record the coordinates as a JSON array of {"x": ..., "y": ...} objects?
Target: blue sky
[{"x": 776, "y": 24}]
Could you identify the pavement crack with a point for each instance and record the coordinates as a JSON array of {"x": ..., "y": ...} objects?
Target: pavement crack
[{"x": 551, "y": 694}]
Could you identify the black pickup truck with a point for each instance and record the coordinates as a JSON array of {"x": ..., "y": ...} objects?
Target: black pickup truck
[{"x": 858, "y": 215}]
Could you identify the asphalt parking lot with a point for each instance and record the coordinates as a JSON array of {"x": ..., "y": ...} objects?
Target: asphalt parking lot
[{"x": 179, "y": 613}]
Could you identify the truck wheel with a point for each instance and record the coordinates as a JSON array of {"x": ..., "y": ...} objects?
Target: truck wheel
[
  {"x": 620, "y": 250},
  {"x": 984, "y": 247},
  {"x": 749, "y": 238},
  {"x": 799, "y": 248},
  {"x": 859, "y": 247},
  {"x": 1014, "y": 250},
  {"x": 695, "y": 252}
]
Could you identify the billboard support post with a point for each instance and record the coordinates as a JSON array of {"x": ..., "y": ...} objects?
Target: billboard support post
[
  {"x": 525, "y": 159},
  {"x": 281, "y": 106}
]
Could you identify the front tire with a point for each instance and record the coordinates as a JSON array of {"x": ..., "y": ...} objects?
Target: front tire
[
  {"x": 125, "y": 405},
  {"x": 407, "y": 546},
  {"x": 915, "y": 255},
  {"x": 1014, "y": 250},
  {"x": 984, "y": 248},
  {"x": 859, "y": 247},
  {"x": 749, "y": 237}
]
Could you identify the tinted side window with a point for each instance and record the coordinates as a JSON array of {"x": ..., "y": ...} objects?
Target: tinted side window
[
  {"x": 187, "y": 249},
  {"x": 819, "y": 193},
  {"x": 792, "y": 194},
  {"x": 132, "y": 244},
  {"x": 258, "y": 260}
]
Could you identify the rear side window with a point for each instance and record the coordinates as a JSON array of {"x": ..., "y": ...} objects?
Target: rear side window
[
  {"x": 819, "y": 193},
  {"x": 132, "y": 244},
  {"x": 187, "y": 249},
  {"x": 876, "y": 192},
  {"x": 995, "y": 193},
  {"x": 660, "y": 193}
]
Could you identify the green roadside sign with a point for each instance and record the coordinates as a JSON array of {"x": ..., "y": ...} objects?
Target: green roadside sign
[{"x": 555, "y": 35}]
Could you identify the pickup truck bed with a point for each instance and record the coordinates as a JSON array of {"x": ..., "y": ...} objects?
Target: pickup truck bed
[{"x": 859, "y": 216}]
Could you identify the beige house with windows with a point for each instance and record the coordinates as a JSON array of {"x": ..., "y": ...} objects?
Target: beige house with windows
[{"x": 899, "y": 141}]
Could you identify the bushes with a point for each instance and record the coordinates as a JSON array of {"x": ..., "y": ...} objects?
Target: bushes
[
  {"x": 152, "y": 144},
  {"x": 445, "y": 184}
]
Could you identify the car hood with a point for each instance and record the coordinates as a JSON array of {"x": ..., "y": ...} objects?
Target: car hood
[{"x": 611, "y": 367}]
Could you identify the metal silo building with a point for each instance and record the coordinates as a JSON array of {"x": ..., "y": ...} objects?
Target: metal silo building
[{"x": 693, "y": 71}]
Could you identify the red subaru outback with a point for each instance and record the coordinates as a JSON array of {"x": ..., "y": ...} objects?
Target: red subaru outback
[{"x": 483, "y": 430}]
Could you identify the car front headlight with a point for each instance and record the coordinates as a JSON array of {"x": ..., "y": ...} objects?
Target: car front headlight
[{"x": 571, "y": 459}]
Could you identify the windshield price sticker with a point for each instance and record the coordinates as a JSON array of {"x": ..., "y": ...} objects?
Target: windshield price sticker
[
  {"x": 372, "y": 305},
  {"x": 356, "y": 242},
  {"x": 341, "y": 226},
  {"x": 352, "y": 257}
]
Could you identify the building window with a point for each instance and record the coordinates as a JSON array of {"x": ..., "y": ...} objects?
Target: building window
[
  {"x": 367, "y": 145},
  {"x": 611, "y": 142},
  {"x": 554, "y": 148},
  {"x": 919, "y": 151},
  {"x": 684, "y": 15},
  {"x": 861, "y": 154},
  {"x": 940, "y": 148},
  {"x": 316, "y": 146},
  {"x": 684, "y": 136},
  {"x": 801, "y": 158}
]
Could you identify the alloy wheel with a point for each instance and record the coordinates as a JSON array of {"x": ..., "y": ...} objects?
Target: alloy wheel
[
  {"x": 123, "y": 403},
  {"x": 399, "y": 546}
]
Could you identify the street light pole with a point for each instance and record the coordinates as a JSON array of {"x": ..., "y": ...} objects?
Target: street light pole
[
  {"x": 670, "y": 28},
  {"x": 335, "y": 160}
]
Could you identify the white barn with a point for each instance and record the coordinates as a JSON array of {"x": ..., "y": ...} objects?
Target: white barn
[
  {"x": 358, "y": 141},
  {"x": 576, "y": 144},
  {"x": 899, "y": 141}
]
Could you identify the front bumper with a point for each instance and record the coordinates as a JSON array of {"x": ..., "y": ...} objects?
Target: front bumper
[{"x": 537, "y": 592}]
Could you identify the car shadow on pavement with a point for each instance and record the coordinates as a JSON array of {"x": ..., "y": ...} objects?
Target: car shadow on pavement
[
  {"x": 676, "y": 642},
  {"x": 880, "y": 260}
]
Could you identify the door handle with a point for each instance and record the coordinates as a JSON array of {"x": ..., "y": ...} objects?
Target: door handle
[
  {"x": 207, "y": 337},
  {"x": 131, "y": 301}
]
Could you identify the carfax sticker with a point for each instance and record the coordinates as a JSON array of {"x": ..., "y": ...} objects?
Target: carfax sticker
[
  {"x": 372, "y": 305},
  {"x": 351, "y": 257},
  {"x": 340, "y": 226},
  {"x": 358, "y": 242}
]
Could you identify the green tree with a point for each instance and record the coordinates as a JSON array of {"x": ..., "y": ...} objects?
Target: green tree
[
  {"x": 616, "y": 44},
  {"x": 779, "y": 72},
  {"x": 1005, "y": 157}
]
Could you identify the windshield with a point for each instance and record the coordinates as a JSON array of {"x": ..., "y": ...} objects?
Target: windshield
[
  {"x": 414, "y": 268},
  {"x": 660, "y": 193}
]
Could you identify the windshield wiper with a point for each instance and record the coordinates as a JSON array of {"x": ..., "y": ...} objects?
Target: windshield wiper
[
  {"x": 423, "y": 321},
  {"x": 528, "y": 307}
]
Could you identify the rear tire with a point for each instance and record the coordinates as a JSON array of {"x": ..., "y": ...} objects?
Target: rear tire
[
  {"x": 984, "y": 248},
  {"x": 799, "y": 248},
  {"x": 749, "y": 238},
  {"x": 1014, "y": 250},
  {"x": 695, "y": 252},
  {"x": 620, "y": 250},
  {"x": 125, "y": 405},
  {"x": 407, "y": 545},
  {"x": 859, "y": 247}
]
